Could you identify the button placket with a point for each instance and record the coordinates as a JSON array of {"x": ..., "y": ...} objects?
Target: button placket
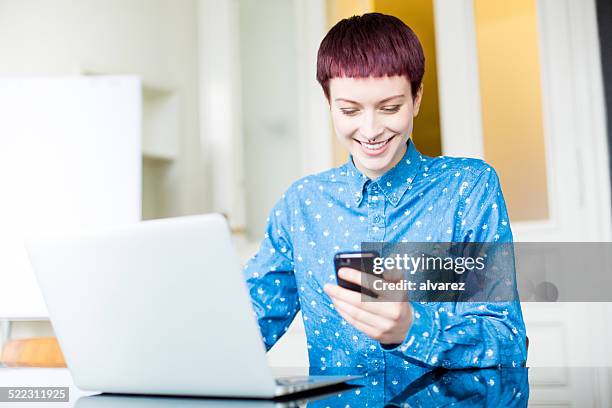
[{"x": 376, "y": 204}]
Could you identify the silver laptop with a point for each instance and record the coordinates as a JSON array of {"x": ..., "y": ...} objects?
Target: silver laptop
[
  {"x": 158, "y": 307},
  {"x": 333, "y": 398}
]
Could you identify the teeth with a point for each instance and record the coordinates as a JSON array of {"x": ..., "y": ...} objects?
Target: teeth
[{"x": 373, "y": 146}]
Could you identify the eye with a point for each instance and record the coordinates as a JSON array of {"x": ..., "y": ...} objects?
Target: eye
[
  {"x": 349, "y": 111},
  {"x": 390, "y": 109}
]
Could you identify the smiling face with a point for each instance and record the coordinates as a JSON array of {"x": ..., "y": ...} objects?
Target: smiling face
[{"x": 373, "y": 119}]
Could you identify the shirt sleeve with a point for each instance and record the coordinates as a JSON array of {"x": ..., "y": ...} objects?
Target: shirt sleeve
[
  {"x": 471, "y": 334},
  {"x": 270, "y": 278}
]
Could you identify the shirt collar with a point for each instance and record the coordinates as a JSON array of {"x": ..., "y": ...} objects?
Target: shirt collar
[{"x": 393, "y": 183}]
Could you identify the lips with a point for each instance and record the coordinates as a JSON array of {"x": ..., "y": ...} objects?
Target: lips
[{"x": 374, "y": 149}]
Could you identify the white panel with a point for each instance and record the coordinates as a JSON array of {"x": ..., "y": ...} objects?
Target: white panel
[
  {"x": 458, "y": 78},
  {"x": 69, "y": 158},
  {"x": 548, "y": 348},
  {"x": 313, "y": 110},
  {"x": 160, "y": 124},
  {"x": 220, "y": 102}
]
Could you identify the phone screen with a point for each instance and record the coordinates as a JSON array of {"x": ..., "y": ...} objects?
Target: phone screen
[{"x": 362, "y": 261}]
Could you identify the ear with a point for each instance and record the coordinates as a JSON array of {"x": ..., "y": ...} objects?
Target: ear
[{"x": 416, "y": 103}]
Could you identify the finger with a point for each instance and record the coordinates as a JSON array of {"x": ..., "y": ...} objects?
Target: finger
[
  {"x": 362, "y": 327},
  {"x": 364, "y": 316},
  {"x": 347, "y": 295},
  {"x": 363, "y": 279},
  {"x": 393, "y": 293},
  {"x": 393, "y": 275},
  {"x": 384, "y": 309}
]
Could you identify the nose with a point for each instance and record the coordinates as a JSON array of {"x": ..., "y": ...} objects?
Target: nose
[{"x": 370, "y": 127}]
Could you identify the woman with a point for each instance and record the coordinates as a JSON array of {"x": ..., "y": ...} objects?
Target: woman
[{"x": 370, "y": 68}]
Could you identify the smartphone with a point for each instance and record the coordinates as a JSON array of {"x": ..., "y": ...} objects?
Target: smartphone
[{"x": 362, "y": 261}]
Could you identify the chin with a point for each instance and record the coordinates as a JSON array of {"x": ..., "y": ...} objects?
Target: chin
[
  {"x": 377, "y": 164},
  {"x": 374, "y": 165}
]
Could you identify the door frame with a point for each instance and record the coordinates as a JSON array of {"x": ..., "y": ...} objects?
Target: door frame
[
  {"x": 220, "y": 100},
  {"x": 567, "y": 111},
  {"x": 314, "y": 126}
]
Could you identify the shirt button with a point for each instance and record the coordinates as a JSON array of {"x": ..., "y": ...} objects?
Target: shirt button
[{"x": 376, "y": 218}]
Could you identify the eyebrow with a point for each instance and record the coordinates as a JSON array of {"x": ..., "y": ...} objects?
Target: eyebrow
[{"x": 383, "y": 101}]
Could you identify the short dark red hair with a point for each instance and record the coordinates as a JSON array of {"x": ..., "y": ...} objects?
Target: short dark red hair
[{"x": 372, "y": 44}]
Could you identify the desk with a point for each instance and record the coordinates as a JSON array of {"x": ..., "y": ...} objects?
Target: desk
[
  {"x": 488, "y": 387},
  {"x": 40, "y": 377}
]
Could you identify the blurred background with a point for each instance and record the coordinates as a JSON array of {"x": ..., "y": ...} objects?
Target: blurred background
[{"x": 228, "y": 113}]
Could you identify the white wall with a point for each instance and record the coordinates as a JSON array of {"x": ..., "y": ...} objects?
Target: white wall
[
  {"x": 268, "y": 59},
  {"x": 158, "y": 40},
  {"x": 155, "y": 39}
]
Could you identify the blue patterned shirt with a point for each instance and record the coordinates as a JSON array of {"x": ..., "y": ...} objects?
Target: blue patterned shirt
[{"x": 421, "y": 199}]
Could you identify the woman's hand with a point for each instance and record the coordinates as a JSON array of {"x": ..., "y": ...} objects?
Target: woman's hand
[{"x": 379, "y": 318}]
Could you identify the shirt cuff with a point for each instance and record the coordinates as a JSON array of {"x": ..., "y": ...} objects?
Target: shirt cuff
[{"x": 419, "y": 340}]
